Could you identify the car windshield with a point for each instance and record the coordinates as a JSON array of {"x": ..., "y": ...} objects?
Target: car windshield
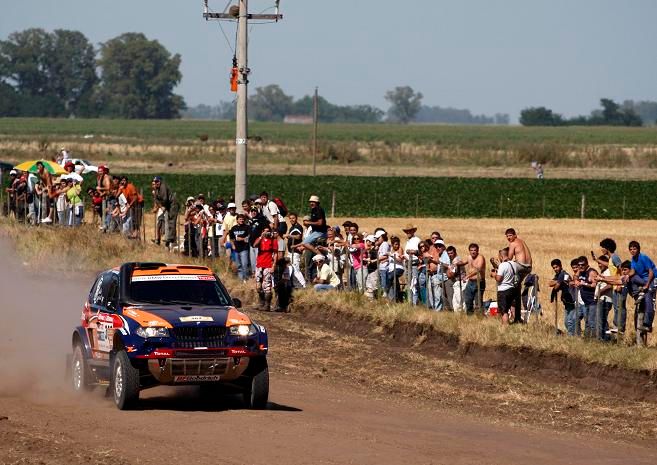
[{"x": 179, "y": 290}]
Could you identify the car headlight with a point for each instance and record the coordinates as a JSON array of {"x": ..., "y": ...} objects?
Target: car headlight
[
  {"x": 242, "y": 330},
  {"x": 152, "y": 332}
]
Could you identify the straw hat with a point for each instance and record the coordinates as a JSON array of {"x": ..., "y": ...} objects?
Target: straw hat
[{"x": 409, "y": 227}]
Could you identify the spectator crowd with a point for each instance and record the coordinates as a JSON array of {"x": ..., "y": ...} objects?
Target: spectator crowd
[{"x": 281, "y": 251}]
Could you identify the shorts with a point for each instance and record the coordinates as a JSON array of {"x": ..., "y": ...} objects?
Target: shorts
[{"x": 505, "y": 300}]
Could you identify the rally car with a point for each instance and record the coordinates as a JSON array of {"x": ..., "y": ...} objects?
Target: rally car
[{"x": 149, "y": 324}]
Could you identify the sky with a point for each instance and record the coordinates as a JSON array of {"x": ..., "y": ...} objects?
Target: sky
[{"x": 486, "y": 56}]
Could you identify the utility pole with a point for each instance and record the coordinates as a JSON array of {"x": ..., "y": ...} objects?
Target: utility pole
[
  {"x": 315, "y": 122},
  {"x": 241, "y": 14}
]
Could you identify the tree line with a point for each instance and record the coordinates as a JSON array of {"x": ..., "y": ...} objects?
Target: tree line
[
  {"x": 270, "y": 103},
  {"x": 60, "y": 74},
  {"x": 610, "y": 114}
]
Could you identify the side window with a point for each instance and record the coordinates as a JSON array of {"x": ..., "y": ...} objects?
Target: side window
[
  {"x": 113, "y": 293},
  {"x": 96, "y": 292}
]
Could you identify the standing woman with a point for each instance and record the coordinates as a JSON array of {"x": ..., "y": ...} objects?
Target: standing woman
[
  {"x": 75, "y": 205},
  {"x": 396, "y": 270},
  {"x": 358, "y": 253}
]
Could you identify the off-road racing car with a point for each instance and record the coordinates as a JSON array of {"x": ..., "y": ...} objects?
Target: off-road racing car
[{"x": 148, "y": 324}]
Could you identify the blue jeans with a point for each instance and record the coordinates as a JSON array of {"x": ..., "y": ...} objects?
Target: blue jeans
[
  {"x": 570, "y": 319},
  {"x": 620, "y": 309},
  {"x": 650, "y": 308},
  {"x": 324, "y": 287},
  {"x": 384, "y": 282},
  {"x": 243, "y": 264},
  {"x": 436, "y": 293},
  {"x": 603, "y": 325},
  {"x": 313, "y": 237},
  {"x": 394, "y": 293},
  {"x": 470, "y": 295}
]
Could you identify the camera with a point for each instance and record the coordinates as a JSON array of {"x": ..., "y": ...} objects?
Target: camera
[{"x": 267, "y": 234}]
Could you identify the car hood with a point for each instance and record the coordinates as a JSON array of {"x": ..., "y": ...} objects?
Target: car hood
[{"x": 173, "y": 315}]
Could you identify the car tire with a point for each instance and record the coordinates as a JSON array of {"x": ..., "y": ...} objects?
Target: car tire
[
  {"x": 256, "y": 393},
  {"x": 125, "y": 382},
  {"x": 80, "y": 376}
]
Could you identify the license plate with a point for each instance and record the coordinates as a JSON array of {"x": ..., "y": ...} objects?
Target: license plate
[{"x": 196, "y": 379}]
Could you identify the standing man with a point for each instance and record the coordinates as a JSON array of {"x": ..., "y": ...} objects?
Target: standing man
[
  {"x": 239, "y": 238},
  {"x": 506, "y": 276},
  {"x": 456, "y": 275},
  {"x": 411, "y": 249},
  {"x": 644, "y": 268},
  {"x": 165, "y": 197},
  {"x": 519, "y": 252},
  {"x": 438, "y": 264},
  {"x": 586, "y": 283},
  {"x": 561, "y": 283},
  {"x": 619, "y": 293},
  {"x": 264, "y": 272},
  {"x": 294, "y": 238},
  {"x": 476, "y": 276},
  {"x": 271, "y": 211}
]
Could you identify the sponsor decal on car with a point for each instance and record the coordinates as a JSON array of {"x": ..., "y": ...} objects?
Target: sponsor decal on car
[
  {"x": 169, "y": 277},
  {"x": 194, "y": 318},
  {"x": 196, "y": 378}
]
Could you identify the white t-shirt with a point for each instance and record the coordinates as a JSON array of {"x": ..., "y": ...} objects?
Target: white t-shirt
[
  {"x": 327, "y": 274},
  {"x": 271, "y": 211},
  {"x": 603, "y": 296},
  {"x": 509, "y": 275},
  {"x": 412, "y": 244},
  {"x": 384, "y": 249}
]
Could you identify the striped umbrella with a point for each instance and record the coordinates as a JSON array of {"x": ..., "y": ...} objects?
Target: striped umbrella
[{"x": 50, "y": 166}]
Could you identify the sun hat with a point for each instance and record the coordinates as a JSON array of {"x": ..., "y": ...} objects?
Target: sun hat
[
  {"x": 313, "y": 198},
  {"x": 409, "y": 227},
  {"x": 319, "y": 257}
]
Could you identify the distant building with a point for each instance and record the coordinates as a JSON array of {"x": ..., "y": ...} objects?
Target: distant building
[{"x": 298, "y": 119}]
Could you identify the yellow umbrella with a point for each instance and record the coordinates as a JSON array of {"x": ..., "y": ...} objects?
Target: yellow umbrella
[{"x": 31, "y": 166}]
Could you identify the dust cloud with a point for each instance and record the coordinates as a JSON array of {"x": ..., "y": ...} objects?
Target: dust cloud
[{"x": 39, "y": 309}]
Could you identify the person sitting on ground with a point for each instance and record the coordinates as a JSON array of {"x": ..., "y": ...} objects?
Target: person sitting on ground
[{"x": 326, "y": 279}]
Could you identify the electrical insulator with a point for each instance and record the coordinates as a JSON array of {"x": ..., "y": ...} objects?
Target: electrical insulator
[{"x": 233, "y": 79}]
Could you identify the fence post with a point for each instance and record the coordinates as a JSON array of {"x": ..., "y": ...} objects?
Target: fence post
[
  {"x": 583, "y": 207},
  {"x": 333, "y": 206},
  {"x": 500, "y": 205}
]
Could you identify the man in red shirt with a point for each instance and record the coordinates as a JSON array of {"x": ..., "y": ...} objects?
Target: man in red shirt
[{"x": 267, "y": 250}]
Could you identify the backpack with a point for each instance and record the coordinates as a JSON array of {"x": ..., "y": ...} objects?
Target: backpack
[{"x": 282, "y": 209}]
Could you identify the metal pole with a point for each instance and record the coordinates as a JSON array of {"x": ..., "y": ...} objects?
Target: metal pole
[
  {"x": 583, "y": 206},
  {"x": 315, "y": 124},
  {"x": 241, "y": 137},
  {"x": 333, "y": 206}
]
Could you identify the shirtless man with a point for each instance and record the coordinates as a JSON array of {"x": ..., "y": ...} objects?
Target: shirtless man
[
  {"x": 519, "y": 252},
  {"x": 476, "y": 277}
]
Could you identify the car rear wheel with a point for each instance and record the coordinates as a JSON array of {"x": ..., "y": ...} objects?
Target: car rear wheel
[
  {"x": 80, "y": 377},
  {"x": 125, "y": 382},
  {"x": 256, "y": 393}
]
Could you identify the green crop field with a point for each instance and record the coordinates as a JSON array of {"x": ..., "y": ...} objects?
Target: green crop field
[
  {"x": 438, "y": 197},
  {"x": 482, "y": 137}
]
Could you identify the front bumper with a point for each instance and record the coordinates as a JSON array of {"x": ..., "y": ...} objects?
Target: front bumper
[{"x": 197, "y": 370}]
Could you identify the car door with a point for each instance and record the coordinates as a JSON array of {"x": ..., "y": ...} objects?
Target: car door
[{"x": 103, "y": 300}]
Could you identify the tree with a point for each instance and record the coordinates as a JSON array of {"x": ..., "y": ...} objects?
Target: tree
[
  {"x": 405, "y": 104},
  {"x": 270, "y": 104},
  {"x": 540, "y": 116},
  {"x": 72, "y": 66},
  {"x": 138, "y": 77}
]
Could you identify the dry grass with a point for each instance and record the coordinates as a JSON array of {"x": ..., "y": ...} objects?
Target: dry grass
[{"x": 85, "y": 249}]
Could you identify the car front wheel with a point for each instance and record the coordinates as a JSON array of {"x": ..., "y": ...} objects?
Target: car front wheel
[
  {"x": 125, "y": 382},
  {"x": 256, "y": 394}
]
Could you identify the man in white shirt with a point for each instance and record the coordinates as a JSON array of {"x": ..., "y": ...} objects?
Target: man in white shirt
[
  {"x": 326, "y": 279},
  {"x": 272, "y": 213},
  {"x": 506, "y": 276}
]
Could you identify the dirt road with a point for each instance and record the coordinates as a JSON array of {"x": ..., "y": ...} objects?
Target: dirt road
[{"x": 326, "y": 406}]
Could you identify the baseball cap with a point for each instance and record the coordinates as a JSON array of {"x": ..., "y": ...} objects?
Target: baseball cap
[
  {"x": 439, "y": 242},
  {"x": 157, "y": 179},
  {"x": 190, "y": 198},
  {"x": 231, "y": 205},
  {"x": 319, "y": 257},
  {"x": 13, "y": 172},
  {"x": 379, "y": 233},
  {"x": 370, "y": 238}
]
